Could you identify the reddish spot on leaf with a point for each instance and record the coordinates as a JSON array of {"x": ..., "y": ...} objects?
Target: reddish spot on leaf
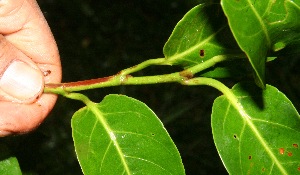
[
  {"x": 298, "y": 168},
  {"x": 290, "y": 154},
  {"x": 281, "y": 150},
  {"x": 295, "y": 145},
  {"x": 201, "y": 53}
]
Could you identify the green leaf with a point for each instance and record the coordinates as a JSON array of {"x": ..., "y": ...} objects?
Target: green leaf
[
  {"x": 199, "y": 36},
  {"x": 261, "y": 27},
  {"x": 231, "y": 68},
  {"x": 121, "y": 135},
  {"x": 263, "y": 137},
  {"x": 8, "y": 163},
  {"x": 228, "y": 69}
]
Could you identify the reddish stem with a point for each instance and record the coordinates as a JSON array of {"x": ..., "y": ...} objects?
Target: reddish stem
[{"x": 80, "y": 83}]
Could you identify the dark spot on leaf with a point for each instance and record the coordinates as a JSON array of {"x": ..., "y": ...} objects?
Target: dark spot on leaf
[
  {"x": 295, "y": 145},
  {"x": 281, "y": 150},
  {"x": 201, "y": 53},
  {"x": 249, "y": 157},
  {"x": 235, "y": 136},
  {"x": 152, "y": 134},
  {"x": 290, "y": 154}
]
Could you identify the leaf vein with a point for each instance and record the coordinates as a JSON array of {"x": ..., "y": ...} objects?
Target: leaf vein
[
  {"x": 264, "y": 28},
  {"x": 196, "y": 47},
  {"x": 148, "y": 161}
]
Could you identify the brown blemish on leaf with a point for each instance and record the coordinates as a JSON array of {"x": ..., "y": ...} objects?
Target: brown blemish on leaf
[
  {"x": 289, "y": 154},
  {"x": 298, "y": 168},
  {"x": 281, "y": 151},
  {"x": 263, "y": 169},
  {"x": 201, "y": 53},
  {"x": 295, "y": 145},
  {"x": 249, "y": 157}
]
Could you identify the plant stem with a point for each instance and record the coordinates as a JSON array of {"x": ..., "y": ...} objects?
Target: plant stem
[
  {"x": 123, "y": 77},
  {"x": 224, "y": 89},
  {"x": 158, "y": 61},
  {"x": 78, "y": 96},
  {"x": 207, "y": 64},
  {"x": 111, "y": 81},
  {"x": 184, "y": 77}
]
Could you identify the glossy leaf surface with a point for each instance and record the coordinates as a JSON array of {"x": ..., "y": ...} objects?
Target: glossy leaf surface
[
  {"x": 8, "y": 163},
  {"x": 235, "y": 68},
  {"x": 199, "y": 36},
  {"x": 263, "y": 26},
  {"x": 265, "y": 142},
  {"x": 121, "y": 135}
]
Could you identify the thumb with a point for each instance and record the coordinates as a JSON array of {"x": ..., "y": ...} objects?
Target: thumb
[{"x": 20, "y": 78}]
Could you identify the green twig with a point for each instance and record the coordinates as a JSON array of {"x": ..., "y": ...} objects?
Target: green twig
[
  {"x": 222, "y": 88},
  {"x": 147, "y": 63},
  {"x": 78, "y": 96},
  {"x": 123, "y": 77}
]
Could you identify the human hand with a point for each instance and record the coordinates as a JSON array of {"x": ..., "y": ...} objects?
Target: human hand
[{"x": 29, "y": 59}]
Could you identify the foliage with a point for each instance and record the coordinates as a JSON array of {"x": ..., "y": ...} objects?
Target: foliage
[
  {"x": 255, "y": 130},
  {"x": 123, "y": 124},
  {"x": 264, "y": 141}
]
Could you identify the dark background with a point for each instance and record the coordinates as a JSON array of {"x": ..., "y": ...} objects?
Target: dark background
[{"x": 99, "y": 38}]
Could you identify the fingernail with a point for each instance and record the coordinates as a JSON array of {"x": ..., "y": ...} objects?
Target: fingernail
[{"x": 21, "y": 81}]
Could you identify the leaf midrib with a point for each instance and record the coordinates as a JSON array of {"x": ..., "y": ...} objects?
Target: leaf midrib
[
  {"x": 94, "y": 109},
  {"x": 195, "y": 47},
  {"x": 263, "y": 26},
  {"x": 247, "y": 119}
]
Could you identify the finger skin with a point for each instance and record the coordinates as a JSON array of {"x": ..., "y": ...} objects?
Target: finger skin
[{"x": 24, "y": 27}]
